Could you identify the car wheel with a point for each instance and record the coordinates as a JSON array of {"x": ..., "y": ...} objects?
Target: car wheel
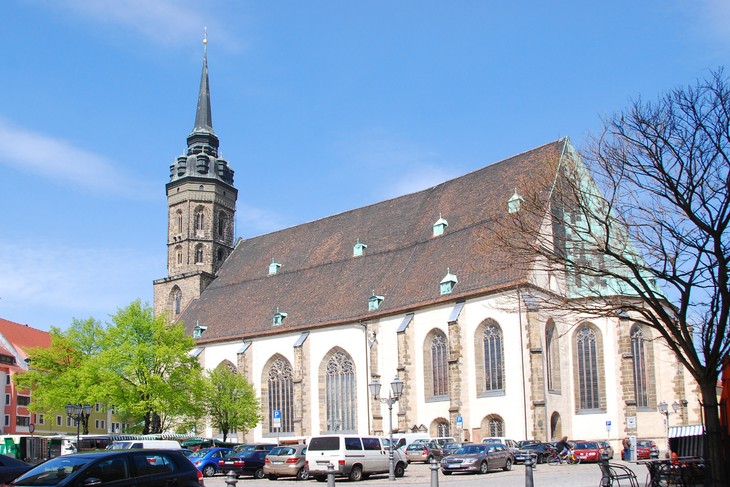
[
  {"x": 507, "y": 465},
  {"x": 320, "y": 478},
  {"x": 303, "y": 473},
  {"x": 428, "y": 460},
  {"x": 399, "y": 469},
  {"x": 208, "y": 471},
  {"x": 355, "y": 473},
  {"x": 446, "y": 472},
  {"x": 483, "y": 467},
  {"x": 272, "y": 477},
  {"x": 258, "y": 473}
]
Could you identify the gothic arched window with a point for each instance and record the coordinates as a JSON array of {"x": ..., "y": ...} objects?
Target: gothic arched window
[
  {"x": 552, "y": 357},
  {"x": 340, "y": 394},
  {"x": 199, "y": 220},
  {"x": 587, "y": 368},
  {"x": 281, "y": 395},
  {"x": 640, "y": 377},
  {"x": 199, "y": 254},
  {"x": 176, "y": 301},
  {"x": 493, "y": 358},
  {"x": 435, "y": 362},
  {"x": 222, "y": 220}
]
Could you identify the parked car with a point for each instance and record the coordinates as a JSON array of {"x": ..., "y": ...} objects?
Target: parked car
[
  {"x": 607, "y": 449},
  {"x": 478, "y": 458},
  {"x": 206, "y": 460},
  {"x": 246, "y": 462},
  {"x": 255, "y": 446},
  {"x": 587, "y": 451},
  {"x": 11, "y": 468},
  {"x": 354, "y": 457},
  {"x": 509, "y": 443},
  {"x": 424, "y": 452},
  {"x": 646, "y": 449},
  {"x": 287, "y": 461},
  {"x": 123, "y": 468},
  {"x": 450, "y": 448},
  {"x": 538, "y": 451}
]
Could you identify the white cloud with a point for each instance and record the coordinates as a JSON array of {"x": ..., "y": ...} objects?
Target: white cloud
[
  {"x": 72, "y": 281},
  {"x": 60, "y": 161},
  {"x": 402, "y": 166},
  {"x": 166, "y": 22}
]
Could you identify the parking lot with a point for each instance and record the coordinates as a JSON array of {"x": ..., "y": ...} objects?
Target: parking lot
[{"x": 583, "y": 475}]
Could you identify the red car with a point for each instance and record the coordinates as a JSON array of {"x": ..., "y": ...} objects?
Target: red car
[
  {"x": 587, "y": 451},
  {"x": 645, "y": 449}
]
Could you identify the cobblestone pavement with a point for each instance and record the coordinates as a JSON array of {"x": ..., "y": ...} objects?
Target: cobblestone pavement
[{"x": 583, "y": 475}]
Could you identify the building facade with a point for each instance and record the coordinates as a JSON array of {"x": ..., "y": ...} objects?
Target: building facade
[
  {"x": 15, "y": 342},
  {"x": 314, "y": 313}
]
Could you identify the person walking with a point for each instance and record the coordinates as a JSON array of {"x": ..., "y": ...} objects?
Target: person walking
[{"x": 626, "y": 443}]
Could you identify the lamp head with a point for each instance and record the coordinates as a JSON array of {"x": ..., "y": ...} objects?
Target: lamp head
[
  {"x": 374, "y": 387},
  {"x": 69, "y": 409},
  {"x": 397, "y": 387},
  {"x": 663, "y": 407}
]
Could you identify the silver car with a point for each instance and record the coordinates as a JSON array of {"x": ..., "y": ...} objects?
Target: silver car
[{"x": 478, "y": 458}]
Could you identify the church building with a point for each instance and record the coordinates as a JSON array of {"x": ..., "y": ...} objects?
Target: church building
[{"x": 398, "y": 291}]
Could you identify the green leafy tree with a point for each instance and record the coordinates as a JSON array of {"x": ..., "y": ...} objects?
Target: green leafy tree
[
  {"x": 146, "y": 368},
  {"x": 64, "y": 372},
  {"x": 230, "y": 401}
]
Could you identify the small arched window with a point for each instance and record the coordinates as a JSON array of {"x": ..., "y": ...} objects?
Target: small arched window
[
  {"x": 199, "y": 221},
  {"x": 199, "y": 254},
  {"x": 222, "y": 222}
]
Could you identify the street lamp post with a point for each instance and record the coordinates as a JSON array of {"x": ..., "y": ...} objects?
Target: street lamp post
[
  {"x": 663, "y": 408},
  {"x": 396, "y": 390},
  {"x": 78, "y": 413}
]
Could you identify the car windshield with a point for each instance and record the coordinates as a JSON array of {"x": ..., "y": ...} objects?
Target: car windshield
[
  {"x": 644, "y": 443},
  {"x": 53, "y": 471},
  {"x": 583, "y": 445},
  {"x": 413, "y": 446},
  {"x": 282, "y": 450}
]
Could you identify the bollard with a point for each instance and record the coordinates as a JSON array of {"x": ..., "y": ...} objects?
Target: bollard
[
  {"x": 434, "y": 473},
  {"x": 330, "y": 475},
  {"x": 231, "y": 479},
  {"x": 528, "y": 472}
]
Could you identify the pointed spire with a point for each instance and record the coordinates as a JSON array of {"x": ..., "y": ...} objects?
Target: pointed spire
[{"x": 203, "y": 117}]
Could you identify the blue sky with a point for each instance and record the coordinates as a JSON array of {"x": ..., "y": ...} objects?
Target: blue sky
[{"x": 320, "y": 106}]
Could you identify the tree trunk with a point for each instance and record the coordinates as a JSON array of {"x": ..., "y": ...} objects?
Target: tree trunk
[
  {"x": 147, "y": 423},
  {"x": 714, "y": 452}
]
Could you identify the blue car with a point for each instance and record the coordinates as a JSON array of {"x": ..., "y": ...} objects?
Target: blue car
[{"x": 207, "y": 459}]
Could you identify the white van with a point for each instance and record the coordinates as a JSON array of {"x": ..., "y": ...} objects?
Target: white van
[
  {"x": 352, "y": 456},
  {"x": 160, "y": 444},
  {"x": 402, "y": 440}
]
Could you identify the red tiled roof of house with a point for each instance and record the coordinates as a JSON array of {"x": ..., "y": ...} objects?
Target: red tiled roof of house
[
  {"x": 321, "y": 283},
  {"x": 23, "y": 337}
]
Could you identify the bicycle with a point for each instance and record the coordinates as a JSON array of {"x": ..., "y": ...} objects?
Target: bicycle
[{"x": 555, "y": 458}]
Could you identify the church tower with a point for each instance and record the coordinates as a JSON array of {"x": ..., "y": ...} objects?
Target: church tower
[{"x": 201, "y": 206}]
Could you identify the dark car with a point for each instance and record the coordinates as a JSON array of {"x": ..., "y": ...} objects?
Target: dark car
[
  {"x": 123, "y": 468},
  {"x": 206, "y": 460},
  {"x": 537, "y": 451},
  {"x": 287, "y": 461},
  {"x": 11, "y": 468},
  {"x": 255, "y": 446},
  {"x": 247, "y": 462},
  {"x": 478, "y": 458},
  {"x": 450, "y": 448}
]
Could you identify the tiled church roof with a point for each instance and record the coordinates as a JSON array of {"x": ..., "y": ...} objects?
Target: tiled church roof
[{"x": 321, "y": 283}]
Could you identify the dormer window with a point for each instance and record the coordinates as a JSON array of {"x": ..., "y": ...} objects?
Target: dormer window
[
  {"x": 273, "y": 267},
  {"x": 515, "y": 202},
  {"x": 374, "y": 301},
  {"x": 439, "y": 226},
  {"x": 448, "y": 282},
  {"x": 279, "y": 317},
  {"x": 199, "y": 330},
  {"x": 358, "y": 249}
]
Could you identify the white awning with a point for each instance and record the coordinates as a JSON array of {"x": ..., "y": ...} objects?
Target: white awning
[{"x": 691, "y": 430}]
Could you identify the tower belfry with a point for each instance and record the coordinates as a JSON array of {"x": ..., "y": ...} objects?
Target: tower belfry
[{"x": 201, "y": 202}]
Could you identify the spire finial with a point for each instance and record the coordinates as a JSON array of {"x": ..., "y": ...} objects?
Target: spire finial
[{"x": 203, "y": 118}]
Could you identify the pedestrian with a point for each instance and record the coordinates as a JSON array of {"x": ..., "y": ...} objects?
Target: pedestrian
[{"x": 627, "y": 449}]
